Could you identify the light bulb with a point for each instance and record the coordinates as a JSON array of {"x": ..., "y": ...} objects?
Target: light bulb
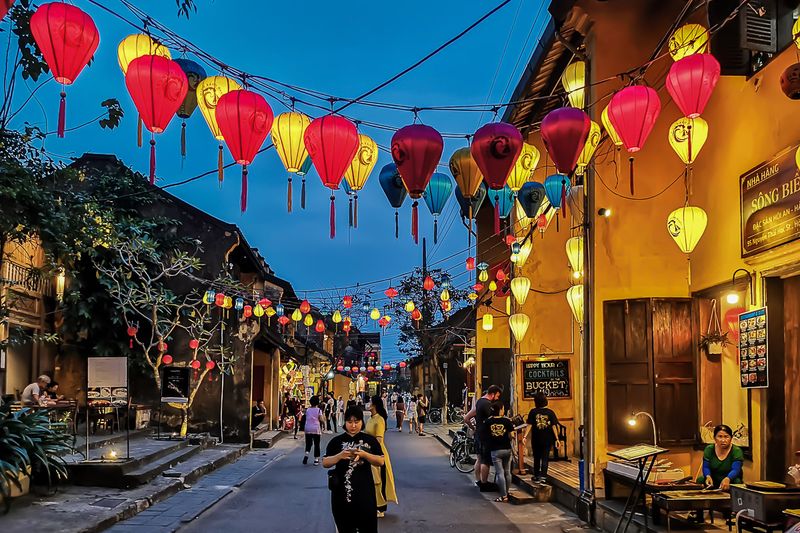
[{"x": 732, "y": 298}]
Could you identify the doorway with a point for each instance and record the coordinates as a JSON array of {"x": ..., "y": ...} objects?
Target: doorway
[{"x": 496, "y": 370}]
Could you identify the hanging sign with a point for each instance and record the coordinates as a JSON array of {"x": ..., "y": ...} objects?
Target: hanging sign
[
  {"x": 550, "y": 376},
  {"x": 753, "y": 352},
  {"x": 108, "y": 379},
  {"x": 770, "y": 204},
  {"x": 175, "y": 384}
]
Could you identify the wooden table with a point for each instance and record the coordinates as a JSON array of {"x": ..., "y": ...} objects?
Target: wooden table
[
  {"x": 691, "y": 500},
  {"x": 59, "y": 410}
]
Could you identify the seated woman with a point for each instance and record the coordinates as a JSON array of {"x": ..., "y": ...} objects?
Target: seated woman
[{"x": 722, "y": 461}]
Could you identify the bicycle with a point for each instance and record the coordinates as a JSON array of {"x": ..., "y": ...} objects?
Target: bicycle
[
  {"x": 462, "y": 452},
  {"x": 435, "y": 415},
  {"x": 455, "y": 414}
]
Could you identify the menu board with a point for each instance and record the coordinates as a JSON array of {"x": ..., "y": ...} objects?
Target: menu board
[
  {"x": 753, "y": 352},
  {"x": 550, "y": 376},
  {"x": 108, "y": 379},
  {"x": 175, "y": 384}
]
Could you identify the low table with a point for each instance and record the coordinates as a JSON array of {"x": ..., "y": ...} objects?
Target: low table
[{"x": 691, "y": 500}]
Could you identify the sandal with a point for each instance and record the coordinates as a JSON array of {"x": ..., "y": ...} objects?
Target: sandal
[{"x": 501, "y": 499}]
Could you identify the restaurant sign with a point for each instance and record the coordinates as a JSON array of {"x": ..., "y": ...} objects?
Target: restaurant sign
[
  {"x": 753, "y": 351},
  {"x": 550, "y": 376},
  {"x": 770, "y": 204},
  {"x": 107, "y": 379}
]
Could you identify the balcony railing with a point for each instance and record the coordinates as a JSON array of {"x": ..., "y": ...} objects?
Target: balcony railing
[{"x": 30, "y": 279}]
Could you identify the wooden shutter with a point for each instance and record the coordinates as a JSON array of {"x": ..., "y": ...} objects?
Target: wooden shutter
[
  {"x": 675, "y": 385},
  {"x": 758, "y": 28}
]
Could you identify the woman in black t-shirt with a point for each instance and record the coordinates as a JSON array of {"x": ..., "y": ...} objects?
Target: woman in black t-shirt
[
  {"x": 543, "y": 426},
  {"x": 352, "y": 454},
  {"x": 497, "y": 431}
]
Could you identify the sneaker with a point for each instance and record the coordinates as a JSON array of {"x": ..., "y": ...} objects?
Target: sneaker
[
  {"x": 305, "y": 460},
  {"x": 381, "y": 514},
  {"x": 316, "y": 461}
]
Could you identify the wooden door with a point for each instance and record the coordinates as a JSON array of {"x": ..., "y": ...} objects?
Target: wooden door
[
  {"x": 258, "y": 383},
  {"x": 791, "y": 382},
  {"x": 496, "y": 370}
]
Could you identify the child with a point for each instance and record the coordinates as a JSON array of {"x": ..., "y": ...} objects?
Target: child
[{"x": 412, "y": 414}]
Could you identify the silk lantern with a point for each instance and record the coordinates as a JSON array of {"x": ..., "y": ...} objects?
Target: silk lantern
[
  {"x": 520, "y": 288},
  {"x": 416, "y": 150},
  {"x": 337, "y": 317},
  {"x": 575, "y": 301},
  {"x": 687, "y": 137},
  {"x": 574, "y": 81},
  {"x": 564, "y": 132},
  {"x": 409, "y": 306},
  {"x": 487, "y": 322},
  {"x": 297, "y": 315},
  {"x": 375, "y": 314},
  {"x": 589, "y": 147},
  {"x": 686, "y": 226},
  {"x": 359, "y": 170},
  {"x": 574, "y": 247},
  {"x": 469, "y": 207},
  {"x": 466, "y": 173},
  {"x": 67, "y": 38},
  {"x": 575, "y": 200},
  {"x": 332, "y": 142},
  {"x": 555, "y": 187},
  {"x": 244, "y": 119},
  {"x": 157, "y": 86},
  {"x": 428, "y": 284},
  {"x": 633, "y": 112},
  {"x": 209, "y": 91},
  {"x": 519, "y": 322},
  {"x": 305, "y": 307},
  {"x": 691, "y": 81},
  {"x": 495, "y": 148},
  {"x": 521, "y": 257},
  {"x": 436, "y": 195},
  {"x": 522, "y": 172},
  {"x": 5, "y": 5},
  {"x": 609, "y": 127},
  {"x": 687, "y": 40},
  {"x": 503, "y": 202},
  {"x": 308, "y": 321},
  {"x": 194, "y": 74},
  {"x": 287, "y": 136},
  {"x": 530, "y": 198}
]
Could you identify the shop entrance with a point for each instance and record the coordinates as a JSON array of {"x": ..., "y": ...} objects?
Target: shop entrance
[{"x": 496, "y": 370}]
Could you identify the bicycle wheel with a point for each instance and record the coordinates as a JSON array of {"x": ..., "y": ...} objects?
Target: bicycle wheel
[
  {"x": 435, "y": 416},
  {"x": 453, "y": 455},
  {"x": 464, "y": 461}
]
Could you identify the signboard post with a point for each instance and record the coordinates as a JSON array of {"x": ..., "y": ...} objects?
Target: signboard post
[
  {"x": 175, "y": 384},
  {"x": 550, "y": 376},
  {"x": 753, "y": 352}
]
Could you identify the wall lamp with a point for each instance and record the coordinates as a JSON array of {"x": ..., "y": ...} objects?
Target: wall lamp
[
  {"x": 632, "y": 422},
  {"x": 733, "y": 296}
]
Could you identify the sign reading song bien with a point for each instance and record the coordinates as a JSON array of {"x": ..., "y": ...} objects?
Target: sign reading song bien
[
  {"x": 770, "y": 204},
  {"x": 550, "y": 376}
]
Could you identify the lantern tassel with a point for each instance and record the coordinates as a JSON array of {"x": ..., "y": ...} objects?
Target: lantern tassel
[
  {"x": 220, "y": 167},
  {"x": 139, "y": 131},
  {"x": 62, "y": 114},
  {"x": 131, "y": 344},
  {"x": 152, "y": 161},
  {"x": 415, "y": 221},
  {"x": 289, "y": 195},
  {"x": 396, "y": 224},
  {"x": 333, "y": 216},
  {"x": 244, "y": 189},
  {"x": 435, "y": 230},
  {"x": 303, "y": 194},
  {"x": 563, "y": 199},
  {"x": 497, "y": 214},
  {"x": 355, "y": 211},
  {"x": 350, "y": 212},
  {"x": 630, "y": 161},
  {"x": 183, "y": 139}
]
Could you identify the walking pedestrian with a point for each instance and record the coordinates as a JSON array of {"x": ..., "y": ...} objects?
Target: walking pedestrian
[
  {"x": 399, "y": 412},
  {"x": 340, "y": 411},
  {"x": 422, "y": 414},
  {"x": 497, "y": 431},
  {"x": 412, "y": 414},
  {"x": 352, "y": 456},
  {"x": 475, "y": 419},
  {"x": 313, "y": 429},
  {"x": 543, "y": 429},
  {"x": 351, "y": 402},
  {"x": 330, "y": 413},
  {"x": 384, "y": 477}
]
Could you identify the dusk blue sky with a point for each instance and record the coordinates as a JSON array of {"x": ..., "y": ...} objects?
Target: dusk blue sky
[{"x": 343, "y": 48}]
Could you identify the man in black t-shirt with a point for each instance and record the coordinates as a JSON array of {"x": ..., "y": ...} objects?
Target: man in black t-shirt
[
  {"x": 475, "y": 419},
  {"x": 543, "y": 426}
]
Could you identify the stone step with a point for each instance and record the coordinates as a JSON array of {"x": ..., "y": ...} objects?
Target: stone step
[
  {"x": 149, "y": 471},
  {"x": 540, "y": 492},
  {"x": 267, "y": 438},
  {"x": 519, "y": 497}
]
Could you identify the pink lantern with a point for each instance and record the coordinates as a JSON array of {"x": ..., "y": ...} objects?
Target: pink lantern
[
  {"x": 564, "y": 132},
  {"x": 495, "y": 149},
  {"x": 691, "y": 81},
  {"x": 633, "y": 112},
  {"x": 416, "y": 150}
]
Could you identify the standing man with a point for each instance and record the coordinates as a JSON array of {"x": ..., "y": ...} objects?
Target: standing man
[
  {"x": 543, "y": 425},
  {"x": 399, "y": 411},
  {"x": 475, "y": 419},
  {"x": 422, "y": 413}
]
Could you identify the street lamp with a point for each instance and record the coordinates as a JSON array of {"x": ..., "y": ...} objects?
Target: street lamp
[
  {"x": 632, "y": 422},
  {"x": 733, "y": 296}
]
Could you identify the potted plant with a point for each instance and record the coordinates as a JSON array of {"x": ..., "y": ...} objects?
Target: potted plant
[{"x": 714, "y": 339}]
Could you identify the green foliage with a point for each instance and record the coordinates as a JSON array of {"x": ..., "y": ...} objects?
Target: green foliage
[
  {"x": 186, "y": 7},
  {"x": 115, "y": 114},
  {"x": 30, "y": 58}
]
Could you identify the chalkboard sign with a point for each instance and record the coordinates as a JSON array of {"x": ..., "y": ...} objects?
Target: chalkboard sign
[
  {"x": 550, "y": 376},
  {"x": 175, "y": 384}
]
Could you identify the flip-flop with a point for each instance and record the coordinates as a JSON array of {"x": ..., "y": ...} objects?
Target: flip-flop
[{"x": 501, "y": 499}]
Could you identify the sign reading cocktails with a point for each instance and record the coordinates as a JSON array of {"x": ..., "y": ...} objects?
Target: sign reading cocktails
[{"x": 770, "y": 204}]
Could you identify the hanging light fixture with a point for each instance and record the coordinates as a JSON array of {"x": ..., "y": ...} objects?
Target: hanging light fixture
[
  {"x": 575, "y": 300},
  {"x": 305, "y": 306},
  {"x": 493, "y": 285},
  {"x": 575, "y": 255},
  {"x": 687, "y": 40},
  {"x": 320, "y": 326},
  {"x": 470, "y": 263},
  {"x": 297, "y": 315},
  {"x": 308, "y": 320},
  {"x": 520, "y": 288},
  {"x": 287, "y": 136},
  {"x": 687, "y": 137},
  {"x": 524, "y": 252},
  {"x": 519, "y": 322},
  {"x": 592, "y": 142},
  {"x": 686, "y": 225},
  {"x": 61, "y": 278},
  {"x": 375, "y": 314},
  {"x": 574, "y": 81},
  {"x": 487, "y": 322},
  {"x": 337, "y": 317},
  {"x": 483, "y": 276},
  {"x": 445, "y": 296},
  {"x": 409, "y": 307},
  {"x": 428, "y": 283}
]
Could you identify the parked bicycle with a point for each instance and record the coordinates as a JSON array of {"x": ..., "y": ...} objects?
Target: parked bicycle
[
  {"x": 462, "y": 451},
  {"x": 455, "y": 415}
]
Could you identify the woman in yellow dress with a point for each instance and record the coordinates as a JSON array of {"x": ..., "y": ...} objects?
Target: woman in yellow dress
[{"x": 383, "y": 476}]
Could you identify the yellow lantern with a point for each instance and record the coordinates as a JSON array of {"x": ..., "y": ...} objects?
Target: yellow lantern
[
  {"x": 524, "y": 167},
  {"x": 258, "y": 311},
  {"x": 337, "y": 317},
  {"x": 575, "y": 255},
  {"x": 524, "y": 252},
  {"x": 287, "y": 136},
  {"x": 228, "y": 302},
  {"x": 466, "y": 172},
  {"x": 508, "y": 306},
  {"x": 445, "y": 296},
  {"x": 575, "y": 300},
  {"x": 483, "y": 276},
  {"x": 270, "y": 311},
  {"x": 574, "y": 81},
  {"x": 687, "y": 40},
  {"x": 138, "y": 45},
  {"x": 387, "y": 319},
  {"x": 472, "y": 296},
  {"x": 493, "y": 285},
  {"x": 520, "y": 288},
  {"x": 686, "y": 225},
  {"x": 487, "y": 322},
  {"x": 209, "y": 91},
  {"x": 609, "y": 127},
  {"x": 797, "y": 155},
  {"x": 375, "y": 314},
  {"x": 796, "y": 33},
  {"x": 362, "y": 164},
  {"x": 687, "y": 137},
  {"x": 297, "y": 316},
  {"x": 592, "y": 141},
  {"x": 409, "y": 307},
  {"x": 519, "y": 322},
  {"x": 308, "y": 320}
]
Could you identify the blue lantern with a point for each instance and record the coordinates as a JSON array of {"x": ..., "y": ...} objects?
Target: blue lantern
[
  {"x": 556, "y": 187},
  {"x": 483, "y": 265},
  {"x": 446, "y": 281},
  {"x": 503, "y": 200},
  {"x": 306, "y": 167},
  {"x": 194, "y": 75},
  {"x": 475, "y": 202},
  {"x": 515, "y": 248},
  {"x": 365, "y": 306},
  {"x": 239, "y": 304},
  {"x": 395, "y": 191},
  {"x": 279, "y": 309},
  {"x": 436, "y": 195},
  {"x": 530, "y": 197}
]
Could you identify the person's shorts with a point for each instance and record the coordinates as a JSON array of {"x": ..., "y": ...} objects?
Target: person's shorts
[
  {"x": 482, "y": 452},
  {"x": 422, "y": 418}
]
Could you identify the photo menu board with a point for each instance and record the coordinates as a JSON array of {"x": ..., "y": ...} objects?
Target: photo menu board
[
  {"x": 108, "y": 379},
  {"x": 753, "y": 352}
]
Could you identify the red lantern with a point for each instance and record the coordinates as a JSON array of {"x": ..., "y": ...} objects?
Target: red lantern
[
  {"x": 332, "y": 143},
  {"x": 167, "y": 359},
  {"x": 495, "y": 148},
  {"x": 416, "y": 314},
  {"x": 320, "y": 327},
  {"x": 428, "y": 283},
  {"x": 387, "y": 367},
  {"x": 633, "y": 112},
  {"x": 67, "y": 38},
  {"x": 691, "y": 81},
  {"x": 247, "y": 311},
  {"x": 416, "y": 150},
  {"x": 500, "y": 275},
  {"x": 382, "y": 322},
  {"x": 305, "y": 307},
  {"x": 193, "y": 344},
  {"x": 370, "y": 369},
  {"x": 470, "y": 263},
  {"x": 264, "y": 303},
  {"x": 541, "y": 222},
  {"x": 510, "y": 239},
  {"x": 283, "y": 320},
  {"x": 195, "y": 364},
  {"x": 402, "y": 364},
  {"x": 244, "y": 119},
  {"x": 478, "y": 287},
  {"x": 132, "y": 331},
  {"x": 446, "y": 306},
  {"x": 210, "y": 365},
  {"x": 5, "y": 5},
  {"x": 564, "y": 132},
  {"x": 340, "y": 368},
  {"x": 391, "y": 293},
  {"x": 219, "y": 299},
  {"x": 347, "y": 302},
  {"x": 346, "y": 328}
]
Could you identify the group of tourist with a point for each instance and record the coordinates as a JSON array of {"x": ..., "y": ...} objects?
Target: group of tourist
[{"x": 412, "y": 408}]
